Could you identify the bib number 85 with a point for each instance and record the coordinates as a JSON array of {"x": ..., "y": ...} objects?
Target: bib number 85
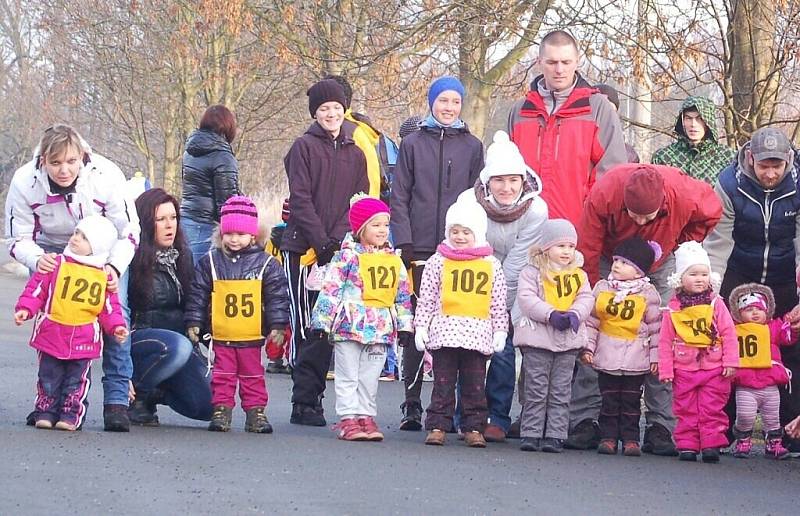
[
  {"x": 234, "y": 307},
  {"x": 84, "y": 292},
  {"x": 465, "y": 281}
]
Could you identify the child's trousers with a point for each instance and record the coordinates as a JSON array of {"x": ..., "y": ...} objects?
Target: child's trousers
[
  {"x": 234, "y": 365},
  {"x": 751, "y": 401},
  {"x": 357, "y": 368},
  {"x": 548, "y": 388},
  {"x": 699, "y": 399},
  {"x": 62, "y": 389},
  {"x": 468, "y": 368},
  {"x": 621, "y": 406}
]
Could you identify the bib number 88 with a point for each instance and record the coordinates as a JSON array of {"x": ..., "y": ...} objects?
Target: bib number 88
[
  {"x": 234, "y": 307},
  {"x": 626, "y": 314}
]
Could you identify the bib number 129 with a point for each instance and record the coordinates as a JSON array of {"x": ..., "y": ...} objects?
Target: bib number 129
[{"x": 84, "y": 291}]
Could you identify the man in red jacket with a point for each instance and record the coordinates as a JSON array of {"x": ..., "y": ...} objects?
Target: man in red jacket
[
  {"x": 657, "y": 203},
  {"x": 567, "y": 131}
]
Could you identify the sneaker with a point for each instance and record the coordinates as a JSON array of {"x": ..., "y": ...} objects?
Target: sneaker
[
  {"x": 585, "y": 436},
  {"x": 370, "y": 428},
  {"x": 307, "y": 415},
  {"x": 67, "y": 427},
  {"x": 658, "y": 441},
  {"x": 710, "y": 455},
  {"x": 115, "y": 418},
  {"x": 474, "y": 439},
  {"x": 436, "y": 437},
  {"x": 350, "y": 430},
  {"x": 220, "y": 419},
  {"x": 494, "y": 434},
  {"x": 742, "y": 447},
  {"x": 631, "y": 449},
  {"x": 607, "y": 447},
  {"x": 530, "y": 444},
  {"x": 412, "y": 416},
  {"x": 687, "y": 455},
  {"x": 387, "y": 377},
  {"x": 256, "y": 421},
  {"x": 142, "y": 413},
  {"x": 552, "y": 445},
  {"x": 43, "y": 424},
  {"x": 513, "y": 430},
  {"x": 775, "y": 449}
]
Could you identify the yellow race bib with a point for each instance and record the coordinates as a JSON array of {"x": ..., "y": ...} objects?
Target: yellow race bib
[
  {"x": 467, "y": 288},
  {"x": 755, "y": 351},
  {"x": 693, "y": 325},
  {"x": 562, "y": 290},
  {"x": 78, "y": 295},
  {"x": 380, "y": 274},
  {"x": 620, "y": 320},
  {"x": 236, "y": 310}
]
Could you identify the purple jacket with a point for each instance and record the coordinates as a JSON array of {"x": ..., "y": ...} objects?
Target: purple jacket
[{"x": 59, "y": 340}]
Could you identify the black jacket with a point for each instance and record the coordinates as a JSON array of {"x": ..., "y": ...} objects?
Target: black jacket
[
  {"x": 210, "y": 176},
  {"x": 244, "y": 265},
  {"x": 165, "y": 310}
]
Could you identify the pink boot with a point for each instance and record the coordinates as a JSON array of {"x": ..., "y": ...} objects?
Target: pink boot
[{"x": 775, "y": 449}]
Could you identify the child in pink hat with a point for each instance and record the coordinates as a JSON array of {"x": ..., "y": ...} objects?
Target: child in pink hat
[{"x": 364, "y": 306}]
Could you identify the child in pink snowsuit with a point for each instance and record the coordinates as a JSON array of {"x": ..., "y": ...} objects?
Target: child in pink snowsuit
[
  {"x": 697, "y": 353},
  {"x": 72, "y": 304}
]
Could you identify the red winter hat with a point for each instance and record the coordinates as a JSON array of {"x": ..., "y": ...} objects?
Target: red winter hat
[
  {"x": 363, "y": 208},
  {"x": 644, "y": 191}
]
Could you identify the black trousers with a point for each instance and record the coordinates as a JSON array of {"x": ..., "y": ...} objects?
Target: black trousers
[
  {"x": 412, "y": 359},
  {"x": 621, "y": 406}
]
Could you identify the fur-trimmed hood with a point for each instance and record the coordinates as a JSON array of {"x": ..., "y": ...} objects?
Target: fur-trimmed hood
[
  {"x": 751, "y": 288},
  {"x": 261, "y": 239}
]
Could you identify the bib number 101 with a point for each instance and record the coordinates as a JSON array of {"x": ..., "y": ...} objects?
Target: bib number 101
[
  {"x": 84, "y": 292},
  {"x": 467, "y": 280},
  {"x": 567, "y": 284}
]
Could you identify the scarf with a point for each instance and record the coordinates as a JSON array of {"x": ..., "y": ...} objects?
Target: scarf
[
  {"x": 502, "y": 213},
  {"x": 702, "y": 298},
  {"x": 97, "y": 262},
  {"x": 167, "y": 259},
  {"x": 431, "y": 121},
  {"x": 470, "y": 253},
  {"x": 623, "y": 288}
]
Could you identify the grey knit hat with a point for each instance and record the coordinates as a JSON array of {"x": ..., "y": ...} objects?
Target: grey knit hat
[{"x": 558, "y": 231}]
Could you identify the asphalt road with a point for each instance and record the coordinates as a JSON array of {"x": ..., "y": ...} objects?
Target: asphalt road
[{"x": 181, "y": 468}]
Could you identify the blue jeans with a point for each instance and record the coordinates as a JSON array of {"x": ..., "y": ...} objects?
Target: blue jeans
[
  {"x": 165, "y": 360},
  {"x": 198, "y": 234},
  {"x": 500, "y": 381},
  {"x": 390, "y": 366}
]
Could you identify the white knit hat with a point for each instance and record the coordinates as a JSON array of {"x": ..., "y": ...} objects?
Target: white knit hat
[
  {"x": 686, "y": 255},
  {"x": 469, "y": 214},
  {"x": 101, "y": 234},
  {"x": 503, "y": 158}
]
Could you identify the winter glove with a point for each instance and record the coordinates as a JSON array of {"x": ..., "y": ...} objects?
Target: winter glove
[
  {"x": 193, "y": 332},
  {"x": 574, "y": 322},
  {"x": 405, "y": 338},
  {"x": 325, "y": 254},
  {"x": 499, "y": 341},
  {"x": 420, "y": 339},
  {"x": 407, "y": 255},
  {"x": 275, "y": 343},
  {"x": 559, "y": 320}
]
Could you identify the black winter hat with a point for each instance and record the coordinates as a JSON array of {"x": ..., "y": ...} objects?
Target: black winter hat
[
  {"x": 326, "y": 90},
  {"x": 639, "y": 253}
]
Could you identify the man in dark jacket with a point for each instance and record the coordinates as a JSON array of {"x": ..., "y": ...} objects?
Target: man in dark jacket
[{"x": 758, "y": 236}]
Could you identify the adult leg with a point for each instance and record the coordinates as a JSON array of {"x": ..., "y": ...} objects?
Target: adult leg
[
  {"x": 157, "y": 354},
  {"x": 472, "y": 378},
  {"x": 75, "y": 388},
  {"x": 537, "y": 364},
  {"x": 439, "y": 415},
  {"x": 500, "y": 380},
  {"x": 117, "y": 371},
  {"x": 368, "y": 376},
  {"x": 413, "y": 369},
  {"x": 561, "y": 371},
  {"x": 188, "y": 391}
]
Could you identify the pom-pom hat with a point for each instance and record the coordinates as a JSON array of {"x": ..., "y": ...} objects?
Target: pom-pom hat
[
  {"x": 363, "y": 209},
  {"x": 239, "y": 215}
]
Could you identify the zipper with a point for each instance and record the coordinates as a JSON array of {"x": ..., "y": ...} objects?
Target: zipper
[
  {"x": 558, "y": 137},
  {"x": 439, "y": 190},
  {"x": 766, "y": 213},
  {"x": 332, "y": 179},
  {"x": 449, "y": 171}
]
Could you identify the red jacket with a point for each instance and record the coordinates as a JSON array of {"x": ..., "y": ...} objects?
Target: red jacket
[
  {"x": 690, "y": 211},
  {"x": 568, "y": 148}
]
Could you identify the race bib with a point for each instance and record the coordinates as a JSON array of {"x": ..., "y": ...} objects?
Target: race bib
[
  {"x": 467, "y": 288},
  {"x": 78, "y": 295},
  {"x": 380, "y": 274},
  {"x": 562, "y": 289},
  {"x": 236, "y": 310},
  {"x": 693, "y": 325},
  {"x": 755, "y": 351},
  {"x": 620, "y": 320}
]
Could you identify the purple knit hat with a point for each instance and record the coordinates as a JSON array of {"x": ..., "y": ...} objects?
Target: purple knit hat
[
  {"x": 363, "y": 208},
  {"x": 239, "y": 215}
]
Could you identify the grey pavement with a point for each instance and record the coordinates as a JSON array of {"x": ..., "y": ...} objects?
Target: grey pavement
[{"x": 180, "y": 468}]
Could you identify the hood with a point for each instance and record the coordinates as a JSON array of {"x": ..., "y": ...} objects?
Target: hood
[
  {"x": 754, "y": 288},
  {"x": 708, "y": 112},
  {"x": 202, "y": 142},
  {"x": 743, "y": 168}
]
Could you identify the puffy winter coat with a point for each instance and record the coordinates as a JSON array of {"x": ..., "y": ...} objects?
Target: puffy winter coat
[
  {"x": 210, "y": 176},
  {"x": 62, "y": 341},
  {"x": 531, "y": 314},
  {"x": 615, "y": 354},
  {"x": 165, "y": 309},
  {"x": 247, "y": 264},
  {"x": 341, "y": 311}
]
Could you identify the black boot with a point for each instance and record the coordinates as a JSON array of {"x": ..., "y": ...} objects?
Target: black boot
[
  {"x": 307, "y": 415},
  {"x": 115, "y": 418},
  {"x": 658, "y": 441},
  {"x": 585, "y": 436},
  {"x": 412, "y": 416},
  {"x": 143, "y": 411}
]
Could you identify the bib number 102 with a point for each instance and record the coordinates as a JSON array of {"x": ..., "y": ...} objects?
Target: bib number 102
[
  {"x": 233, "y": 306},
  {"x": 567, "y": 284},
  {"x": 467, "y": 280},
  {"x": 84, "y": 292},
  {"x": 382, "y": 277}
]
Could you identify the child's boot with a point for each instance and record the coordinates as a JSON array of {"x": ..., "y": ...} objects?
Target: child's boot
[
  {"x": 221, "y": 419},
  {"x": 607, "y": 447},
  {"x": 350, "y": 430},
  {"x": 631, "y": 449},
  {"x": 775, "y": 448},
  {"x": 436, "y": 437},
  {"x": 711, "y": 455},
  {"x": 687, "y": 455},
  {"x": 474, "y": 439},
  {"x": 256, "y": 421},
  {"x": 743, "y": 444},
  {"x": 370, "y": 427},
  {"x": 66, "y": 426}
]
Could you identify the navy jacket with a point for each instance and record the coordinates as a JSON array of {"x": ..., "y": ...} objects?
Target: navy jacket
[{"x": 210, "y": 176}]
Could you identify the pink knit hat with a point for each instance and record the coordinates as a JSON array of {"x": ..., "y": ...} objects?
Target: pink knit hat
[
  {"x": 239, "y": 215},
  {"x": 363, "y": 208}
]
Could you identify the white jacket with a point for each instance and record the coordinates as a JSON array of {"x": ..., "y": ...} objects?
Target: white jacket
[{"x": 36, "y": 217}]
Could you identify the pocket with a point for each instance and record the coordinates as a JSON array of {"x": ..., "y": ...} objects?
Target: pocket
[
  {"x": 684, "y": 354},
  {"x": 714, "y": 354}
]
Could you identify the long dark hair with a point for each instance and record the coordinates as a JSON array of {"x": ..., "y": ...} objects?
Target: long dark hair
[{"x": 144, "y": 261}]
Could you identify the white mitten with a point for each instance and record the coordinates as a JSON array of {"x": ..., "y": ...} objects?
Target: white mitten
[
  {"x": 499, "y": 341},
  {"x": 420, "y": 339}
]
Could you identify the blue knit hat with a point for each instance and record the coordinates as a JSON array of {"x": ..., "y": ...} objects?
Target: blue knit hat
[{"x": 444, "y": 84}]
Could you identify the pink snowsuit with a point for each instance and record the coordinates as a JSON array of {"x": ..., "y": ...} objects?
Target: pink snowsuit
[{"x": 699, "y": 391}]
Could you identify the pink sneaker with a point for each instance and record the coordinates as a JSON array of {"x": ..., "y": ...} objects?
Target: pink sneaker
[
  {"x": 742, "y": 448},
  {"x": 350, "y": 430},
  {"x": 370, "y": 428},
  {"x": 775, "y": 449}
]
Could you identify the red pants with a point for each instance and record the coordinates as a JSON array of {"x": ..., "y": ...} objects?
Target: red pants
[
  {"x": 698, "y": 401},
  {"x": 242, "y": 364}
]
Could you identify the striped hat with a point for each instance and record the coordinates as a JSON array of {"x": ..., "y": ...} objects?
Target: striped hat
[{"x": 239, "y": 215}]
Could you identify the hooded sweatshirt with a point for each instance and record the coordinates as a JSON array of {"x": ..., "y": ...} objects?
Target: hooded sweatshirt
[{"x": 704, "y": 160}]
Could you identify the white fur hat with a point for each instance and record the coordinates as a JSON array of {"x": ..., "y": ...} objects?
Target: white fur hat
[
  {"x": 101, "y": 234},
  {"x": 686, "y": 255},
  {"x": 503, "y": 158},
  {"x": 470, "y": 214}
]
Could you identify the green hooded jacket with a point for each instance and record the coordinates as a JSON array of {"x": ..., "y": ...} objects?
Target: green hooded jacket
[{"x": 705, "y": 160}]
